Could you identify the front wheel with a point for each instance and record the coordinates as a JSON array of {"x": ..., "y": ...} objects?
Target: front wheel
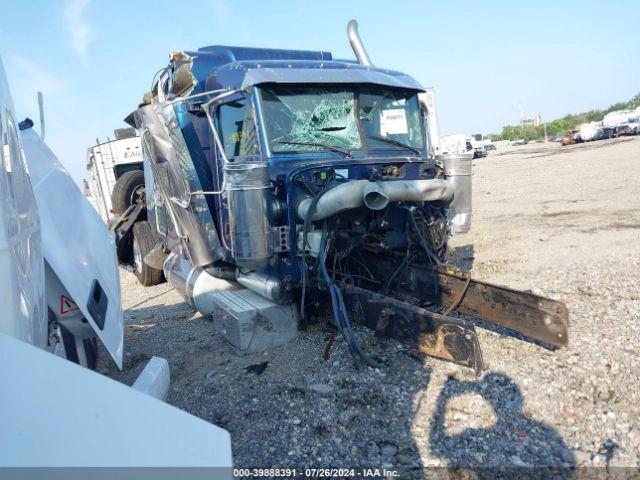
[
  {"x": 143, "y": 243},
  {"x": 127, "y": 191}
]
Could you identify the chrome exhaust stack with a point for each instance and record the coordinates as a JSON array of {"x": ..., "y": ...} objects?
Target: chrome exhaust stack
[{"x": 357, "y": 45}]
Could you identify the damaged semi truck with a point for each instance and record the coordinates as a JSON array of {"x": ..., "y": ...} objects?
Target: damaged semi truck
[{"x": 284, "y": 185}]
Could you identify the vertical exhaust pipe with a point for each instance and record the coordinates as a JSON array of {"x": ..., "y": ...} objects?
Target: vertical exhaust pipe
[{"x": 356, "y": 44}]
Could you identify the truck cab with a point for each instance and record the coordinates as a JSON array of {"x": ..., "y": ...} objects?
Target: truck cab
[
  {"x": 285, "y": 185},
  {"x": 299, "y": 118}
]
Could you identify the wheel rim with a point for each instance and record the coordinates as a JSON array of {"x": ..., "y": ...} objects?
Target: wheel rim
[{"x": 137, "y": 256}]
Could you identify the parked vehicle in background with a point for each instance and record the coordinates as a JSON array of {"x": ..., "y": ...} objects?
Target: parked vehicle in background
[
  {"x": 604, "y": 133},
  {"x": 116, "y": 185},
  {"x": 107, "y": 162},
  {"x": 594, "y": 131},
  {"x": 632, "y": 127},
  {"x": 462, "y": 143},
  {"x": 570, "y": 137},
  {"x": 623, "y": 122},
  {"x": 479, "y": 152},
  {"x": 456, "y": 143}
]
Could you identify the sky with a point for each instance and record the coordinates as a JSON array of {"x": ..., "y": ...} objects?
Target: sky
[{"x": 94, "y": 59}]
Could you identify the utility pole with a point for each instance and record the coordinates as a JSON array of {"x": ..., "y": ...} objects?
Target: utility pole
[{"x": 41, "y": 109}]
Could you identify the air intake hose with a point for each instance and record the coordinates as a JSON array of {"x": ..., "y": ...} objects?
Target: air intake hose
[{"x": 375, "y": 196}]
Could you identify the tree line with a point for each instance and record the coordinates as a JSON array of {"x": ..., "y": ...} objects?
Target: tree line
[{"x": 568, "y": 122}]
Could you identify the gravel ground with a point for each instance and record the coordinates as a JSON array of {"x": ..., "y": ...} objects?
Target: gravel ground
[{"x": 561, "y": 221}]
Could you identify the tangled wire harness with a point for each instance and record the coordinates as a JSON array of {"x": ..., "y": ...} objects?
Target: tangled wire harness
[{"x": 339, "y": 309}]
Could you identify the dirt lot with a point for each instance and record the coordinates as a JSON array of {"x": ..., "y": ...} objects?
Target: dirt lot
[{"x": 561, "y": 221}]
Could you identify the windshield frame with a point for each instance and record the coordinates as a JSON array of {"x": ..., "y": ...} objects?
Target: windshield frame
[{"x": 365, "y": 147}]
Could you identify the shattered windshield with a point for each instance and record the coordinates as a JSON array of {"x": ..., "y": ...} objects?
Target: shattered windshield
[{"x": 301, "y": 118}]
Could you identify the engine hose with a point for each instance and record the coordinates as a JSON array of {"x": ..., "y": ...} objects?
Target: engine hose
[
  {"x": 432, "y": 256},
  {"x": 303, "y": 263},
  {"x": 339, "y": 309},
  {"x": 401, "y": 266},
  {"x": 347, "y": 324},
  {"x": 339, "y": 320}
]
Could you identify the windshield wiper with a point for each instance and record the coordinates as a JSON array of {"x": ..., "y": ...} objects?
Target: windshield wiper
[
  {"x": 394, "y": 142},
  {"x": 343, "y": 151}
]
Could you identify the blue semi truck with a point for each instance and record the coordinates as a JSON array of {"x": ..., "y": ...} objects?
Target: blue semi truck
[{"x": 286, "y": 186}]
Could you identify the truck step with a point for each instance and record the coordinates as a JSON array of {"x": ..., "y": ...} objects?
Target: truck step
[{"x": 254, "y": 323}]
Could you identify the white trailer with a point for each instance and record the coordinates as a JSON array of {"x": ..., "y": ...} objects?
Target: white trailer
[
  {"x": 108, "y": 161},
  {"x": 456, "y": 143},
  {"x": 618, "y": 118},
  {"x": 115, "y": 187},
  {"x": 428, "y": 100}
]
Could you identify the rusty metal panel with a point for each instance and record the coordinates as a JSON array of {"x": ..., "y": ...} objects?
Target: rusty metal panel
[
  {"x": 436, "y": 335},
  {"x": 531, "y": 315},
  {"x": 534, "y": 316}
]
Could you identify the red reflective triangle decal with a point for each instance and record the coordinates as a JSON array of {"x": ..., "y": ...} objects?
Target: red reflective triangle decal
[{"x": 67, "y": 305}]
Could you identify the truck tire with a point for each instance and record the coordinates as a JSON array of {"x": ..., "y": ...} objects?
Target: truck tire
[
  {"x": 143, "y": 243},
  {"x": 126, "y": 190},
  {"x": 124, "y": 250}
]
